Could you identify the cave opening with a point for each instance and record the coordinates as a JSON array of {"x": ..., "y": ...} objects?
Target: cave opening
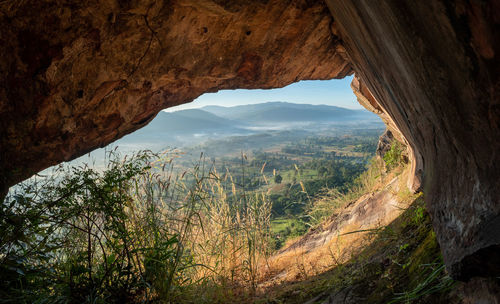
[
  {"x": 81, "y": 76},
  {"x": 269, "y": 164}
]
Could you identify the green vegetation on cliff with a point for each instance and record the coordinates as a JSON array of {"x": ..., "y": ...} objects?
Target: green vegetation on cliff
[{"x": 402, "y": 264}]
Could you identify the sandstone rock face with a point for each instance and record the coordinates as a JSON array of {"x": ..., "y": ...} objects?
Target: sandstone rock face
[
  {"x": 76, "y": 75},
  {"x": 335, "y": 238},
  {"x": 367, "y": 100},
  {"x": 434, "y": 68},
  {"x": 371, "y": 211}
]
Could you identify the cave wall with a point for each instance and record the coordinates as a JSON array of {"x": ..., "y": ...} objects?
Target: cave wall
[
  {"x": 433, "y": 66},
  {"x": 77, "y": 75},
  {"x": 367, "y": 100}
]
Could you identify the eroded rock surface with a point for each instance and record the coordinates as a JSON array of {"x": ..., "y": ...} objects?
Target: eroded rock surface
[
  {"x": 367, "y": 100},
  {"x": 384, "y": 143},
  {"x": 340, "y": 237},
  {"x": 76, "y": 75},
  {"x": 434, "y": 68}
]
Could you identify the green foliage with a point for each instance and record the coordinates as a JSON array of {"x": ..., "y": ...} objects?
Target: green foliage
[
  {"x": 436, "y": 282},
  {"x": 72, "y": 238},
  {"x": 394, "y": 156},
  {"x": 419, "y": 214},
  {"x": 401, "y": 264},
  {"x": 324, "y": 175},
  {"x": 284, "y": 229},
  {"x": 132, "y": 232},
  {"x": 325, "y": 205}
]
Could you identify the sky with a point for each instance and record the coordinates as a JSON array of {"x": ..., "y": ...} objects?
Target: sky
[{"x": 335, "y": 92}]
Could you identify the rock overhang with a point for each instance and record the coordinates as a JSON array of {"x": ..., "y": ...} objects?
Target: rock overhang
[{"x": 76, "y": 76}]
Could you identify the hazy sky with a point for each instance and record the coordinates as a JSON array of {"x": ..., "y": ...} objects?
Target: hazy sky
[{"x": 336, "y": 92}]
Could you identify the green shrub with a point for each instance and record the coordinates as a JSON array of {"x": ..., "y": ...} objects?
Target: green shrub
[
  {"x": 394, "y": 156},
  {"x": 135, "y": 231},
  {"x": 72, "y": 238}
]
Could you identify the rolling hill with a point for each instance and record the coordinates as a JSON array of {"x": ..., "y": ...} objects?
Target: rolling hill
[
  {"x": 192, "y": 126},
  {"x": 189, "y": 121},
  {"x": 279, "y": 112}
]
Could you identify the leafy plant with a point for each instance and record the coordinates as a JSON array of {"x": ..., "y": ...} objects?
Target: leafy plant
[{"x": 72, "y": 238}]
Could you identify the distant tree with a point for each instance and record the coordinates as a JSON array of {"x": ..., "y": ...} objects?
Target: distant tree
[{"x": 278, "y": 179}]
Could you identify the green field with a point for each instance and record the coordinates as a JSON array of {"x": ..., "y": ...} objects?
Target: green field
[
  {"x": 292, "y": 168},
  {"x": 284, "y": 229}
]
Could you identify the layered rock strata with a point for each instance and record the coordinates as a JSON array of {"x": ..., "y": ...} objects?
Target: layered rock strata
[
  {"x": 367, "y": 100},
  {"x": 434, "y": 68}
]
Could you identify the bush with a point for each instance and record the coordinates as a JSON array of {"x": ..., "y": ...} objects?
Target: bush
[
  {"x": 72, "y": 238},
  {"x": 394, "y": 157}
]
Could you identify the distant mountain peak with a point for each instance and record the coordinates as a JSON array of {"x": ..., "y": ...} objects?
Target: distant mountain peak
[
  {"x": 281, "y": 111},
  {"x": 217, "y": 121}
]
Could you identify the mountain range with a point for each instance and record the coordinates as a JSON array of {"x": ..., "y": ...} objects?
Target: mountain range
[
  {"x": 277, "y": 112},
  {"x": 194, "y": 125}
]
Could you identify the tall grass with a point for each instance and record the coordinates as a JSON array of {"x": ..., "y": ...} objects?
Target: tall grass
[
  {"x": 233, "y": 238},
  {"x": 138, "y": 231},
  {"x": 325, "y": 206}
]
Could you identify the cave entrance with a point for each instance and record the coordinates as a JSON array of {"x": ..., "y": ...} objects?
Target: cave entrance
[{"x": 232, "y": 178}]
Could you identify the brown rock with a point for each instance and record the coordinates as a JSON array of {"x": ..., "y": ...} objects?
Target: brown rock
[
  {"x": 433, "y": 67},
  {"x": 384, "y": 143},
  {"x": 367, "y": 100},
  {"x": 78, "y": 75}
]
